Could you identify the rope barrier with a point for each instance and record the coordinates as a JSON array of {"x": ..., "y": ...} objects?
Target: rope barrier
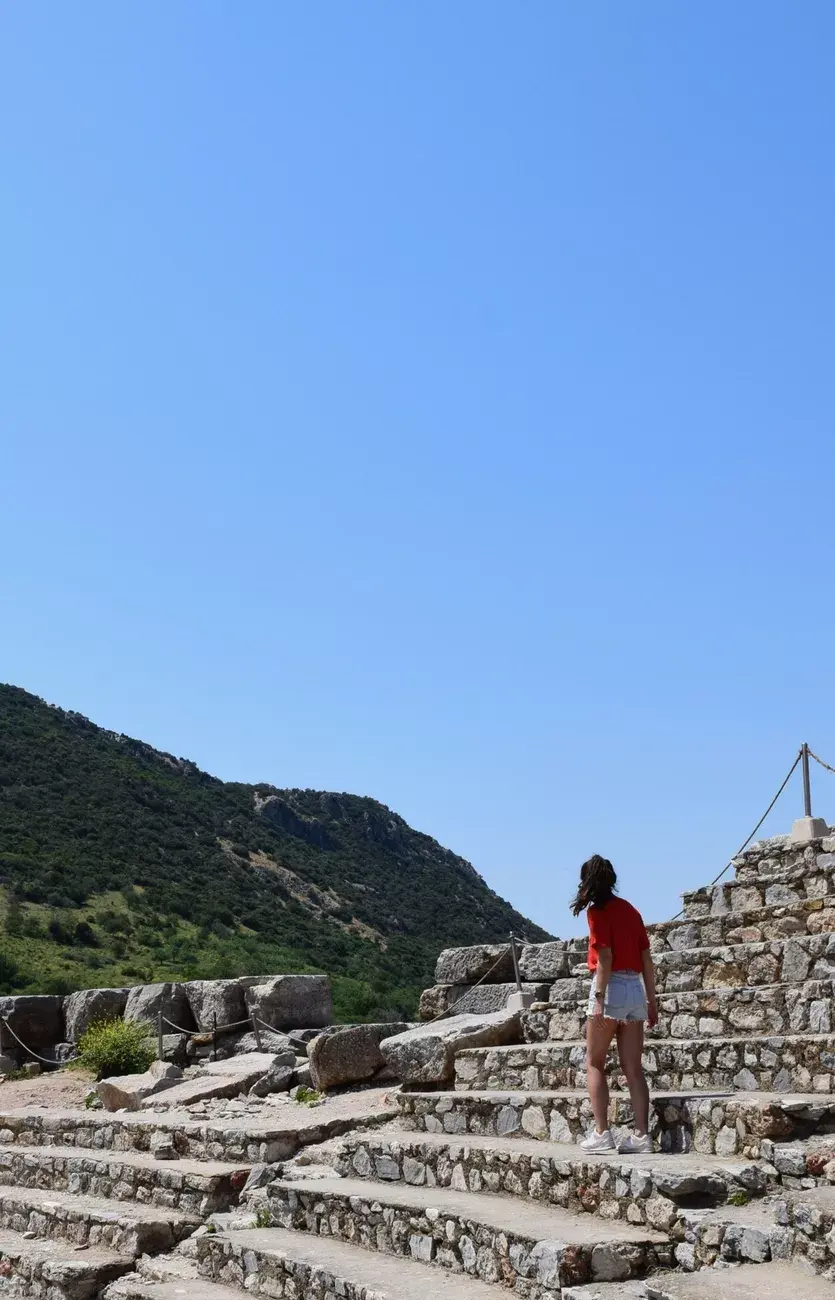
[
  {"x": 220, "y": 1029},
  {"x": 820, "y": 760},
  {"x": 44, "y": 1059},
  {"x": 744, "y": 846}
]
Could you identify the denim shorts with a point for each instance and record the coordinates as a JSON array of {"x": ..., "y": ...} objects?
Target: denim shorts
[{"x": 626, "y": 999}]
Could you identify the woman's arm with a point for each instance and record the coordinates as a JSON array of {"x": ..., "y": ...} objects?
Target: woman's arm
[
  {"x": 601, "y": 983},
  {"x": 648, "y": 971}
]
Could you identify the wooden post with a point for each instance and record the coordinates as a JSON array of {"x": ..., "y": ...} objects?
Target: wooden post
[
  {"x": 159, "y": 1033},
  {"x": 214, "y": 1036},
  {"x": 256, "y": 1030}
]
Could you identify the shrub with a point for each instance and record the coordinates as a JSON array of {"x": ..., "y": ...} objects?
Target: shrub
[{"x": 116, "y": 1047}]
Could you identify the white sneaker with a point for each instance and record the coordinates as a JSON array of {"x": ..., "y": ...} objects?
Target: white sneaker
[
  {"x": 636, "y": 1145},
  {"x": 599, "y": 1141}
]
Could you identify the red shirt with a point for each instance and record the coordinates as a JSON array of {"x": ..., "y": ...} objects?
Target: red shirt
[{"x": 618, "y": 926}]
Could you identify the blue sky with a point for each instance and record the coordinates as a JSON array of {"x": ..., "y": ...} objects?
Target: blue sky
[{"x": 432, "y": 401}]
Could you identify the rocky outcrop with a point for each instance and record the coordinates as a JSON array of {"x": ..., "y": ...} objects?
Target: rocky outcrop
[
  {"x": 349, "y": 1055},
  {"x": 82, "y": 1008},
  {"x": 292, "y": 1001},
  {"x": 426, "y": 1054}
]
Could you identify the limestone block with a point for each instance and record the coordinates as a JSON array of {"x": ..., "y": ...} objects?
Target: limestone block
[
  {"x": 723, "y": 975},
  {"x": 292, "y": 1001},
  {"x": 349, "y": 1054},
  {"x": 426, "y": 1054},
  {"x": 481, "y": 1000},
  {"x": 544, "y": 961},
  {"x": 82, "y": 1008},
  {"x": 37, "y": 1019},
  {"x": 468, "y": 965},
  {"x": 796, "y": 963},
  {"x": 223, "y": 1000},
  {"x": 129, "y": 1091},
  {"x": 145, "y": 1001}
]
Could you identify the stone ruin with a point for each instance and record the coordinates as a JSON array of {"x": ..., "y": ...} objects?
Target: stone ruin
[{"x": 466, "y": 1181}]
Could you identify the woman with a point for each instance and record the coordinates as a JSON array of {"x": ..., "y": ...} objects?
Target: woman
[{"x": 622, "y": 998}]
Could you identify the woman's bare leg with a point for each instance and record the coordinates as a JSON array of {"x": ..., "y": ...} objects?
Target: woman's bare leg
[
  {"x": 630, "y": 1051},
  {"x": 599, "y": 1035}
]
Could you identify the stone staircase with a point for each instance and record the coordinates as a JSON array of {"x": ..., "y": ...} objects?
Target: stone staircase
[{"x": 479, "y": 1187}]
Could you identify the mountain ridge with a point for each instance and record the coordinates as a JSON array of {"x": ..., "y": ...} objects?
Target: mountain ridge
[{"x": 122, "y": 860}]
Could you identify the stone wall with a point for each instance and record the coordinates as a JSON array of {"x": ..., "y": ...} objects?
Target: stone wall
[{"x": 51, "y": 1026}]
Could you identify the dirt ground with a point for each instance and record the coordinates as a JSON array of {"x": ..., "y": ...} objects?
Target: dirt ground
[{"x": 58, "y": 1090}]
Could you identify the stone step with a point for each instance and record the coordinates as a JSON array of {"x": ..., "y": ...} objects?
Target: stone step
[
  {"x": 774, "y": 1281},
  {"x": 636, "y": 1189},
  {"x": 724, "y": 1124},
  {"x": 779, "y": 1063},
  {"x": 283, "y": 1130},
  {"x": 55, "y": 1269},
  {"x": 122, "y": 1227},
  {"x": 794, "y": 1226},
  {"x": 718, "y": 1012},
  {"x": 499, "y": 1239},
  {"x": 780, "y": 961},
  {"x": 786, "y": 881},
  {"x": 192, "y": 1187},
  {"x": 136, "y": 1287},
  {"x": 275, "y": 1262},
  {"x": 785, "y": 961},
  {"x": 748, "y": 925}
]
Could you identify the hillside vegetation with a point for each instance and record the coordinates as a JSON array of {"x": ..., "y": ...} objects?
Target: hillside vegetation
[{"x": 120, "y": 864}]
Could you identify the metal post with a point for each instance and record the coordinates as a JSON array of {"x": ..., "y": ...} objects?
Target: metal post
[
  {"x": 256, "y": 1030},
  {"x": 515, "y": 962},
  {"x": 159, "y": 1033},
  {"x": 214, "y": 1036},
  {"x": 807, "y": 784}
]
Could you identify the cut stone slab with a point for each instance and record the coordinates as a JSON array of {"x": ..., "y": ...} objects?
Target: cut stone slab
[
  {"x": 544, "y": 961},
  {"x": 145, "y": 1001},
  {"x": 426, "y": 1054},
  {"x": 280, "y": 1077},
  {"x": 82, "y": 1008},
  {"x": 349, "y": 1055},
  {"x": 271, "y": 1041},
  {"x": 292, "y": 1001},
  {"x": 38, "y": 1020},
  {"x": 227, "y": 1078},
  {"x": 479, "y": 1000},
  {"x": 469, "y": 965},
  {"x": 223, "y": 1000},
  {"x": 130, "y": 1091},
  {"x": 283, "y": 1258}
]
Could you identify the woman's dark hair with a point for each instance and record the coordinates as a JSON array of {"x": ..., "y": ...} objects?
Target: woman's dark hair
[{"x": 597, "y": 884}]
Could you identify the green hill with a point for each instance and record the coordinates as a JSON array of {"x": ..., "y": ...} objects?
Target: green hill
[{"x": 121, "y": 864}]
